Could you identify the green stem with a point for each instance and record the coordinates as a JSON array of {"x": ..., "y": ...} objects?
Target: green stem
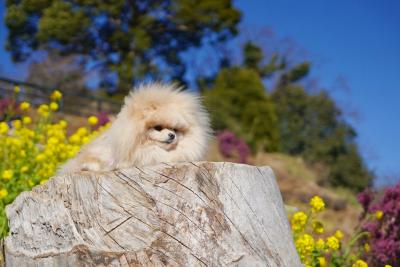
[{"x": 352, "y": 242}]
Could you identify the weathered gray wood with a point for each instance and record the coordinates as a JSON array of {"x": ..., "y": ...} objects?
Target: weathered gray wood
[{"x": 188, "y": 214}]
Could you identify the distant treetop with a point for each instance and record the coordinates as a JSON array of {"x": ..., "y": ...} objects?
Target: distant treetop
[{"x": 130, "y": 40}]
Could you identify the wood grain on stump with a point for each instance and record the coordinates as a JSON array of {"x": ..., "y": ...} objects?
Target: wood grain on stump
[{"x": 186, "y": 214}]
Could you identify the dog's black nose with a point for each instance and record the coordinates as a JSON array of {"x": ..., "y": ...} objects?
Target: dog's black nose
[{"x": 171, "y": 136}]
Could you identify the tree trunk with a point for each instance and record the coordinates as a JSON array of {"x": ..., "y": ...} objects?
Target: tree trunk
[{"x": 187, "y": 214}]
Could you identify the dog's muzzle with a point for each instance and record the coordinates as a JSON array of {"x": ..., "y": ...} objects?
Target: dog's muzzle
[{"x": 171, "y": 138}]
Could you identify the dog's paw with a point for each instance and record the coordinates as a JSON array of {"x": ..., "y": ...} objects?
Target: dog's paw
[{"x": 91, "y": 166}]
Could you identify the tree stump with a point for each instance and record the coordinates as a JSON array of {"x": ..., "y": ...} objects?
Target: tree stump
[{"x": 186, "y": 214}]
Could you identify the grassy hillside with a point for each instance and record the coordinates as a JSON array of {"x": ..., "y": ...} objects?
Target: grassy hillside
[{"x": 298, "y": 183}]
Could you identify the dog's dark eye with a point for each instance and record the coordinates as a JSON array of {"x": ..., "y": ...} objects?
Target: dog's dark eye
[
  {"x": 175, "y": 130},
  {"x": 158, "y": 127}
]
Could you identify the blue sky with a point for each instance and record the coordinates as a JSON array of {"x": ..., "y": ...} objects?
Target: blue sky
[{"x": 354, "y": 43}]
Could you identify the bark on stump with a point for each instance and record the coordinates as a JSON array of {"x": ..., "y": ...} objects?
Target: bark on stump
[{"x": 187, "y": 214}]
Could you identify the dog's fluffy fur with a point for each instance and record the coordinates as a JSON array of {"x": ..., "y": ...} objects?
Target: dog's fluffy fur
[{"x": 158, "y": 123}]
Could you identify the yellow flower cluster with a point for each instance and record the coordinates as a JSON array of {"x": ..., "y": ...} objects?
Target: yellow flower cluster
[
  {"x": 322, "y": 261},
  {"x": 313, "y": 249},
  {"x": 318, "y": 227},
  {"x": 299, "y": 221},
  {"x": 31, "y": 149},
  {"x": 43, "y": 110},
  {"x": 24, "y": 106},
  {"x": 93, "y": 120},
  {"x": 56, "y": 96},
  {"x": 7, "y": 174},
  {"x": 320, "y": 244},
  {"x": 360, "y": 263},
  {"x": 3, "y": 127},
  {"x": 305, "y": 245},
  {"x": 338, "y": 234},
  {"x": 333, "y": 243},
  {"x": 317, "y": 204},
  {"x": 3, "y": 193},
  {"x": 367, "y": 248},
  {"x": 379, "y": 214}
]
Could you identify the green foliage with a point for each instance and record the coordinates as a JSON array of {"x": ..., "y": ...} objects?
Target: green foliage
[
  {"x": 130, "y": 39},
  {"x": 62, "y": 23},
  {"x": 238, "y": 102},
  {"x": 294, "y": 122},
  {"x": 135, "y": 40},
  {"x": 311, "y": 125},
  {"x": 295, "y": 74},
  {"x": 254, "y": 56}
]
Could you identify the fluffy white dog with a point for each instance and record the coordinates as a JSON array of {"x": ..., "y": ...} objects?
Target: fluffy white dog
[{"x": 157, "y": 123}]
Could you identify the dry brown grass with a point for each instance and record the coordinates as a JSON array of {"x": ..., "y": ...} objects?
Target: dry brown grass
[{"x": 298, "y": 184}]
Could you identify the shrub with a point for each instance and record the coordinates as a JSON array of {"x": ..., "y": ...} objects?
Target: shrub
[
  {"x": 238, "y": 101},
  {"x": 7, "y": 104},
  {"x": 312, "y": 125},
  {"x": 230, "y": 146},
  {"x": 381, "y": 219},
  {"x": 31, "y": 149}
]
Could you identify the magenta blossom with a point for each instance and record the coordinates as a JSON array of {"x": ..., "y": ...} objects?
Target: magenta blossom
[
  {"x": 230, "y": 145},
  {"x": 384, "y": 230}
]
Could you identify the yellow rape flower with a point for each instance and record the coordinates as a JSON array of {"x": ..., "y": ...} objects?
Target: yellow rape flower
[
  {"x": 74, "y": 139},
  {"x": 31, "y": 183},
  {"x": 85, "y": 140},
  {"x": 56, "y": 95},
  {"x": 367, "y": 247},
  {"x": 24, "y": 106},
  {"x": 24, "y": 169},
  {"x": 3, "y": 127},
  {"x": 93, "y": 120},
  {"x": 43, "y": 110},
  {"x": 15, "y": 142},
  {"x": 320, "y": 244},
  {"x": 48, "y": 153},
  {"x": 26, "y": 120},
  {"x": 32, "y": 154},
  {"x": 40, "y": 157},
  {"x": 82, "y": 131},
  {"x": 44, "y": 181},
  {"x": 299, "y": 220},
  {"x": 318, "y": 227},
  {"x": 3, "y": 193},
  {"x": 17, "y": 89},
  {"x": 305, "y": 245},
  {"x": 53, "y": 106},
  {"x": 317, "y": 204},
  {"x": 333, "y": 243},
  {"x": 322, "y": 261},
  {"x": 338, "y": 234},
  {"x": 17, "y": 124},
  {"x": 52, "y": 141},
  {"x": 360, "y": 263},
  {"x": 387, "y": 265},
  {"x": 379, "y": 214},
  {"x": 7, "y": 174},
  {"x": 63, "y": 123}
]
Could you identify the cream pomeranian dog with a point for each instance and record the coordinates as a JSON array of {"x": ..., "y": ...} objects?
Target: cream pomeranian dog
[{"x": 157, "y": 123}]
